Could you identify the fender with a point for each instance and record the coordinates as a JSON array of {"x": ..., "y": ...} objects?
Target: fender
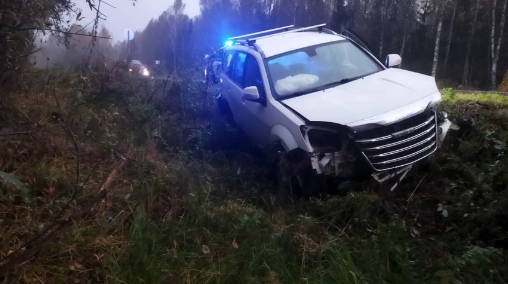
[{"x": 286, "y": 138}]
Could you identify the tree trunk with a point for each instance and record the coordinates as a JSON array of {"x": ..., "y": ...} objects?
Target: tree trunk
[
  {"x": 436, "y": 47},
  {"x": 381, "y": 40},
  {"x": 469, "y": 43},
  {"x": 493, "y": 43},
  {"x": 496, "y": 49},
  {"x": 450, "y": 34},
  {"x": 382, "y": 33},
  {"x": 408, "y": 24},
  {"x": 404, "y": 39}
]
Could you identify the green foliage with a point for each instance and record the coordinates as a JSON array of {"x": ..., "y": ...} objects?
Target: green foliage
[
  {"x": 496, "y": 100},
  {"x": 503, "y": 87},
  {"x": 192, "y": 204}
]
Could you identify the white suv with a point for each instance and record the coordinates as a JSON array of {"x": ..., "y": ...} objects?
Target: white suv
[{"x": 340, "y": 115}]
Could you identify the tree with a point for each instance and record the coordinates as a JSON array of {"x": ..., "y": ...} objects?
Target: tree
[
  {"x": 385, "y": 17},
  {"x": 495, "y": 45},
  {"x": 450, "y": 33},
  {"x": 440, "y": 9},
  {"x": 465, "y": 74},
  {"x": 342, "y": 16},
  {"x": 20, "y": 21},
  {"x": 407, "y": 14},
  {"x": 177, "y": 10},
  {"x": 104, "y": 44}
]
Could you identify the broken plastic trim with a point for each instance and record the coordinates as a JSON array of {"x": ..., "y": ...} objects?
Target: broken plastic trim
[
  {"x": 333, "y": 159},
  {"x": 385, "y": 176}
]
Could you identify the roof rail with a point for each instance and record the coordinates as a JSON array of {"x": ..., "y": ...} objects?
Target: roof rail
[
  {"x": 261, "y": 32},
  {"x": 247, "y": 43},
  {"x": 319, "y": 27}
]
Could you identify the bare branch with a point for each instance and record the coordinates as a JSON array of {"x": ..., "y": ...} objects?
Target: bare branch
[
  {"x": 62, "y": 225},
  {"x": 53, "y": 30},
  {"x": 16, "y": 133}
]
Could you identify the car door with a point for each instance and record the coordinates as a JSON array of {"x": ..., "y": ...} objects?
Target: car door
[
  {"x": 256, "y": 116},
  {"x": 244, "y": 71},
  {"x": 236, "y": 87},
  {"x": 232, "y": 85}
]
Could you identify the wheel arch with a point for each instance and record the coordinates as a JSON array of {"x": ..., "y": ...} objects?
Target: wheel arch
[{"x": 282, "y": 134}]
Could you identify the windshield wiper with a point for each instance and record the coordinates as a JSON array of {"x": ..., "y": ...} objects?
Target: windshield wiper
[
  {"x": 347, "y": 80},
  {"x": 326, "y": 86}
]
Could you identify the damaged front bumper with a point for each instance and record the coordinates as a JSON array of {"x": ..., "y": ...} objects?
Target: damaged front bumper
[
  {"x": 343, "y": 163},
  {"x": 444, "y": 125}
]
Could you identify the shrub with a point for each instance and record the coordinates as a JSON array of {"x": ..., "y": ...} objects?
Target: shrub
[{"x": 503, "y": 87}]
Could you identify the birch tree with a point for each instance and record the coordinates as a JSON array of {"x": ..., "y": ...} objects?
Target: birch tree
[
  {"x": 469, "y": 44},
  {"x": 177, "y": 10},
  {"x": 495, "y": 45},
  {"x": 385, "y": 17},
  {"x": 408, "y": 10},
  {"x": 439, "y": 19},
  {"x": 450, "y": 34}
]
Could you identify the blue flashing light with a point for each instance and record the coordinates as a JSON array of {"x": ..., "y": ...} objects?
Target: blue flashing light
[{"x": 229, "y": 43}]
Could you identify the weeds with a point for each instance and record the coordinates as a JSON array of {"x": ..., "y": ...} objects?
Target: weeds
[{"x": 193, "y": 204}]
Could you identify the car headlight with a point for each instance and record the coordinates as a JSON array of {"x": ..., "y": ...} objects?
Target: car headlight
[
  {"x": 319, "y": 137},
  {"x": 146, "y": 73}
]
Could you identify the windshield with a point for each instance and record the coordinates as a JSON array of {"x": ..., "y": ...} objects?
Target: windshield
[{"x": 318, "y": 67}]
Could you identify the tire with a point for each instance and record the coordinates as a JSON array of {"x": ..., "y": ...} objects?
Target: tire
[
  {"x": 295, "y": 177},
  {"x": 222, "y": 105},
  {"x": 225, "y": 110}
]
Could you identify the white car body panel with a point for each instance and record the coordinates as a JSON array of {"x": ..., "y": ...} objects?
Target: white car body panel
[
  {"x": 364, "y": 98},
  {"x": 266, "y": 123}
]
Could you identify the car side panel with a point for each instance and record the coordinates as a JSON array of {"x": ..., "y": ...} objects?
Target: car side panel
[{"x": 263, "y": 123}]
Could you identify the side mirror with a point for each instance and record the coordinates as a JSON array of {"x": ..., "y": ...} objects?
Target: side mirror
[
  {"x": 393, "y": 60},
  {"x": 251, "y": 94}
]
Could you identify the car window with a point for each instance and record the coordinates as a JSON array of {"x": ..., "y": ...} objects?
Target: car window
[
  {"x": 238, "y": 69},
  {"x": 253, "y": 75},
  {"x": 315, "y": 67},
  {"x": 227, "y": 62}
]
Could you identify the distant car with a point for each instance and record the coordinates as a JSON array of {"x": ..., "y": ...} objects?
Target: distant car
[
  {"x": 214, "y": 67},
  {"x": 136, "y": 66}
]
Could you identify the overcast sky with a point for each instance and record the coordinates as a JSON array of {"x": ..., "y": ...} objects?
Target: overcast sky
[{"x": 126, "y": 16}]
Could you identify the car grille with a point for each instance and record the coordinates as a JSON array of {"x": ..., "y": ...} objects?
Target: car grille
[{"x": 401, "y": 143}]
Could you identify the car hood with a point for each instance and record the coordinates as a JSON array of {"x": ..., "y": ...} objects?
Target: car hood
[{"x": 366, "y": 98}]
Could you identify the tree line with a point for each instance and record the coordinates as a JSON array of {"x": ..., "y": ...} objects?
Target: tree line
[{"x": 460, "y": 42}]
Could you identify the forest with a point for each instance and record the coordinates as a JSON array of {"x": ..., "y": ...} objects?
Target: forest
[
  {"x": 107, "y": 176},
  {"x": 460, "y": 42}
]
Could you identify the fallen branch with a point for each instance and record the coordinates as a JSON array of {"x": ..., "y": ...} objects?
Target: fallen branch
[
  {"x": 14, "y": 260},
  {"x": 417, "y": 186},
  {"x": 16, "y": 133}
]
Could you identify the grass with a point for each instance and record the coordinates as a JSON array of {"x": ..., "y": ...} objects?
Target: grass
[{"x": 193, "y": 204}]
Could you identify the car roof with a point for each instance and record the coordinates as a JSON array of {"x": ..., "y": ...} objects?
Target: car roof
[{"x": 280, "y": 43}]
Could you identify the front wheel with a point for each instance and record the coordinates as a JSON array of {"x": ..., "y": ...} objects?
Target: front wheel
[{"x": 295, "y": 176}]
